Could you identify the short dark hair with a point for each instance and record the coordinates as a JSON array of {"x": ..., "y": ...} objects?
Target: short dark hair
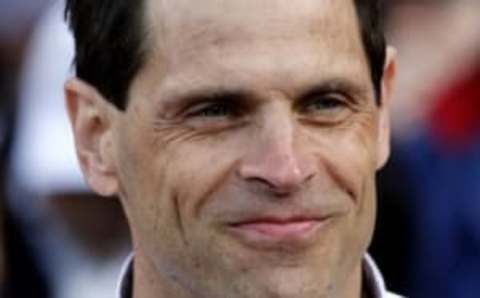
[
  {"x": 110, "y": 45},
  {"x": 371, "y": 21}
]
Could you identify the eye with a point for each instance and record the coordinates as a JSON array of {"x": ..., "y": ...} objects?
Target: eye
[
  {"x": 211, "y": 110},
  {"x": 325, "y": 103},
  {"x": 326, "y": 108}
]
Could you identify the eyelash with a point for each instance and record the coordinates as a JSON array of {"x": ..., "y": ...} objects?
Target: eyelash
[
  {"x": 222, "y": 109},
  {"x": 328, "y": 101},
  {"x": 212, "y": 109}
]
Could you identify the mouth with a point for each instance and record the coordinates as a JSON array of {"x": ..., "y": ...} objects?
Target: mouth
[{"x": 279, "y": 233}]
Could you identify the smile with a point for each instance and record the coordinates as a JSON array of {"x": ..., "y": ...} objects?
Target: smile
[{"x": 272, "y": 233}]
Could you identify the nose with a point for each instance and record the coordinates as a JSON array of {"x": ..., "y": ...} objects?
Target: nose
[{"x": 277, "y": 159}]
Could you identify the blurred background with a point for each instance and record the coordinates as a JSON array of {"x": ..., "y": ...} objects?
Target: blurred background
[{"x": 58, "y": 240}]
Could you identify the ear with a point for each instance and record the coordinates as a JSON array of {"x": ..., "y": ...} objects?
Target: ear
[
  {"x": 91, "y": 118},
  {"x": 388, "y": 81}
]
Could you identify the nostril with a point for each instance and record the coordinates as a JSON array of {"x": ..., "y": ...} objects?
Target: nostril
[
  {"x": 263, "y": 187},
  {"x": 277, "y": 163},
  {"x": 278, "y": 184},
  {"x": 279, "y": 174}
]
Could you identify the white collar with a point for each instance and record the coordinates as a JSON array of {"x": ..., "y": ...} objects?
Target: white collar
[
  {"x": 373, "y": 279},
  {"x": 125, "y": 279}
]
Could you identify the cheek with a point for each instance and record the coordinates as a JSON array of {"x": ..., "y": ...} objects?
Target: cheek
[
  {"x": 141, "y": 178},
  {"x": 202, "y": 169},
  {"x": 356, "y": 158},
  {"x": 167, "y": 172},
  {"x": 348, "y": 157}
]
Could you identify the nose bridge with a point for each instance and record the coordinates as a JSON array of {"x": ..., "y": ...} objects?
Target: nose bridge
[
  {"x": 277, "y": 125},
  {"x": 276, "y": 155}
]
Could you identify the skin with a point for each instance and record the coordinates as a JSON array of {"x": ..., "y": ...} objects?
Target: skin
[{"x": 244, "y": 109}]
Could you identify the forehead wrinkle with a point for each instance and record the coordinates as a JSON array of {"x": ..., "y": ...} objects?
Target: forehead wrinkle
[
  {"x": 183, "y": 31},
  {"x": 186, "y": 21},
  {"x": 184, "y": 41}
]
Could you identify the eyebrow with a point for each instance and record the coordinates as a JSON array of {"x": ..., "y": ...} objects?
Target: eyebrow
[
  {"x": 209, "y": 94},
  {"x": 216, "y": 94}
]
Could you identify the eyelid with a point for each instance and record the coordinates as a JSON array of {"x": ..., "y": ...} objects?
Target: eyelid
[
  {"x": 197, "y": 109},
  {"x": 326, "y": 108},
  {"x": 231, "y": 98},
  {"x": 353, "y": 93},
  {"x": 340, "y": 96},
  {"x": 313, "y": 97}
]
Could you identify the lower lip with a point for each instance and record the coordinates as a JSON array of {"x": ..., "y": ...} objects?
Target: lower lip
[{"x": 271, "y": 235}]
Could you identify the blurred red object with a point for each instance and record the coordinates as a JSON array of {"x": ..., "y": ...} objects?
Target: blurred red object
[{"x": 455, "y": 116}]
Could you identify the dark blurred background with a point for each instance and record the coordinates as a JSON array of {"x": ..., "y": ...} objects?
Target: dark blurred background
[{"x": 58, "y": 240}]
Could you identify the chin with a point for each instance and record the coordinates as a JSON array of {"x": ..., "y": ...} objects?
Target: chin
[{"x": 283, "y": 283}]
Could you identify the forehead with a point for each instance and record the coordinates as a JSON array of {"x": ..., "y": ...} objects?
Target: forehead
[
  {"x": 263, "y": 17},
  {"x": 235, "y": 41}
]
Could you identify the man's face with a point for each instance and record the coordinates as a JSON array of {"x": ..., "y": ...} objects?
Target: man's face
[{"x": 247, "y": 155}]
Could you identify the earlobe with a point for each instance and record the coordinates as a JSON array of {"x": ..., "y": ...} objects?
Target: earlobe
[
  {"x": 388, "y": 81},
  {"x": 92, "y": 124}
]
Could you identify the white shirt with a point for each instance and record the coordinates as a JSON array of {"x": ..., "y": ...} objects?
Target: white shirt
[{"x": 372, "y": 275}]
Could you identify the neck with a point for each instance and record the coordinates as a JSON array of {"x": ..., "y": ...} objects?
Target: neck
[
  {"x": 149, "y": 283},
  {"x": 355, "y": 287}
]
